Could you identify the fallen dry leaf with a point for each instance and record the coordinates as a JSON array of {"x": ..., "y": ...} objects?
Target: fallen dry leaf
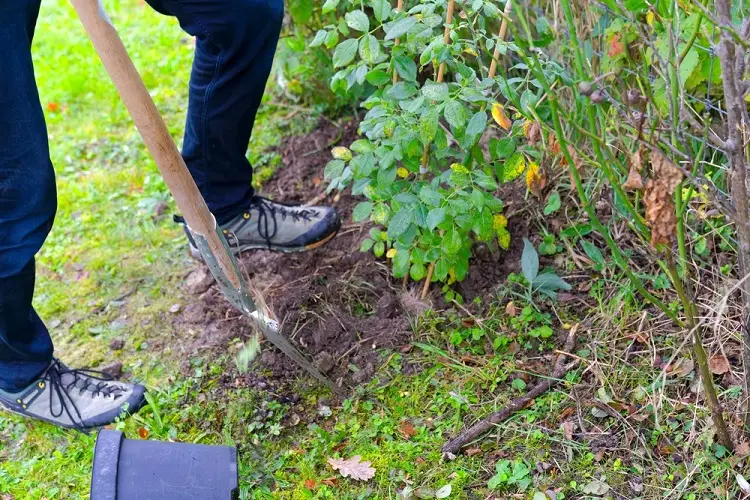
[
  {"x": 634, "y": 181},
  {"x": 681, "y": 367},
  {"x": 353, "y": 467},
  {"x": 566, "y": 413},
  {"x": 554, "y": 145},
  {"x": 742, "y": 449},
  {"x": 143, "y": 432},
  {"x": 616, "y": 47},
  {"x": 310, "y": 484},
  {"x": 510, "y": 309},
  {"x": 719, "y": 364},
  {"x": 331, "y": 481},
  {"x": 407, "y": 430},
  {"x": 473, "y": 451},
  {"x": 568, "y": 428}
]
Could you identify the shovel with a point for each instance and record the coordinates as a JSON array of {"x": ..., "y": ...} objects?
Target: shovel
[{"x": 199, "y": 220}]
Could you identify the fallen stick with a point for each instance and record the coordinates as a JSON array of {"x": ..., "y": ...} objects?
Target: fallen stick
[{"x": 452, "y": 447}]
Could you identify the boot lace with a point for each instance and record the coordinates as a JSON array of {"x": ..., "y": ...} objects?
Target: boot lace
[
  {"x": 268, "y": 211},
  {"x": 99, "y": 384}
]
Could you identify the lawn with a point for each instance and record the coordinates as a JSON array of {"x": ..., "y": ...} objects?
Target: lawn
[{"x": 114, "y": 269}]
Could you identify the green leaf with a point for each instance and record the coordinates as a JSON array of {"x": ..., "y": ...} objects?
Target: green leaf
[
  {"x": 417, "y": 271},
  {"x": 689, "y": 64},
  {"x": 452, "y": 242},
  {"x": 399, "y": 223},
  {"x": 357, "y": 20},
  {"x": 367, "y": 244},
  {"x": 401, "y": 91},
  {"x": 593, "y": 253},
  {"x": 378, "y": 249},
  {"x": 528, "y": 101},
  {"x": 553, "y": 203},
  {"x": 435, "y": 217},
  {"x": 441, "y": 269},
  {"x": 320, "y": 37},
  {"x": 475, "y": 129},
  {"x": 362, "y": 146},
  {"x": 334, "y": 169},
  {"x": 399, "y": 28},
  {"x": 428, "y": 125},
  {"x": 435, "y": 91},
  {"x": 378, "y": 77},
  {"x": 401, "y": 262},
  {"x": 329, "y": 6},
  {"x": 332, "y": 38},
  {"x": 431, "y": 197},
  {"x": 550, "y": 282},
  {"x": 406, "y": 68},
  {"x": 301, "y": 11},
  {"x": 518, "y": 384},
  {"x": 484, "y": 180},
  {"x": 362, "y": 211},
  {"x": 529, "y": 261},
  {"x": 477, "y": 199},
  {"x": 369, "y": 49},
  {"x": 345, "y": 52},
  {"x": 455, "y": 114},
  {"x": 504, "y": 147},
  {"x": 381, "y": 9}
]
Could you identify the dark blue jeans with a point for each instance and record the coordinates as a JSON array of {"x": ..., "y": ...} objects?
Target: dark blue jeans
[{"x": 235, "y": 44}]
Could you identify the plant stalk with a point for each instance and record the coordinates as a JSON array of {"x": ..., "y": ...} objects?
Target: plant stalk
[
  {"x": 399, "y": 8},
  {"x": 500, "y": 38}
]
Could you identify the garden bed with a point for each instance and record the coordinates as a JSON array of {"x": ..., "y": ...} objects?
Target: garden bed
[{"x": 340, "y": 305}]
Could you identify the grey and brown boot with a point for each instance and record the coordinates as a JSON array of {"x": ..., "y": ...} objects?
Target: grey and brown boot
[
  {"x": 277, "y": 226},
  {"x": 75, "y": 399}
]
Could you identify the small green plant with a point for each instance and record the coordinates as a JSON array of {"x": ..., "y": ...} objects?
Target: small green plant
[
  {"x": 511, "y": 474},
  {"x": 547, "y": 283}
]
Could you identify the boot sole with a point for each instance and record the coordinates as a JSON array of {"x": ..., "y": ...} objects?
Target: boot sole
[{"x": 195, "y": 253}]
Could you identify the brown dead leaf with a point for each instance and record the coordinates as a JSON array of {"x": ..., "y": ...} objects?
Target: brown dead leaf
[
  {"x": 353, "y": 467},
  {"x": 566, "y": 413},
  {"x": 665, "y": 171},
  {"x": 510, "y": 309},
  {"x": 143, "y": 432},
  {"x": 331, "y": 481},
  {"x": 660, "y": 212},
  {"x": 536, "y": 179},
  {"x": 681, "y": 367},
  {"x": 599, "y": 455},
  {"x": 634, "y": 181},
  {"x": 640, "y": 337},
  {"x": 568, "y": 428},
  {"x": 554, "y": 145},
  {"x": 742, "y": 449},
  {"x": 473, "y": 451},
  {"x": 532, "y": 131},
  {"x": 407, "y": 430},
  {"x": 310, "y": 484},
  {"x": 719, "y": 364}
]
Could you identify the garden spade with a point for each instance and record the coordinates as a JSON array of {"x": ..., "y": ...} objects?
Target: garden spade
[{"x": 199, "y": 220}]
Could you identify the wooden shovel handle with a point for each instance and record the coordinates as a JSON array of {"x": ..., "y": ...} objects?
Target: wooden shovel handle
[{"x": 151, "y": 126}]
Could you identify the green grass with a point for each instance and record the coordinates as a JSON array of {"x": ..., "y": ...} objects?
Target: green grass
[{"x": 111, "y": 269}]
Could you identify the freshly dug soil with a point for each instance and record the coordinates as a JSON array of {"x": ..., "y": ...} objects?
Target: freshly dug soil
[{"x": 339, "y": 305}]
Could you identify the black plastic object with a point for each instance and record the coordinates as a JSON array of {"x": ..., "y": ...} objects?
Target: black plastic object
[{"x": 154, "y": 470}]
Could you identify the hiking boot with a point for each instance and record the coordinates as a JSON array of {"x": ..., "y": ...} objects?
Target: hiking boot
[
  {"x": 76, "y": 399},
  {"x": 276, "y": 226}
]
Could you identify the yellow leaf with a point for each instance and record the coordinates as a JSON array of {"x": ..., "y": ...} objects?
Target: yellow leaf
[
  {"x": 532, "y": 174},
  {"x": 470, "y": 50},
  {"x": 650, "y": 18},
  {"x": 341, "y": 153},
  {"x": 402, "y": 172},
  {"x": 503, "y": 238},
  {"x": 499, "y": 222},
  {"x": 514, "y": 167},
  {"x": 498, "y": 113},
  {"x": 457, "y": 167},
  {"x": 391, "y": 253}
]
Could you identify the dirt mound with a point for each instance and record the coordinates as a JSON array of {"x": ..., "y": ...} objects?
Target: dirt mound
[{"x": 341, "y": 306}]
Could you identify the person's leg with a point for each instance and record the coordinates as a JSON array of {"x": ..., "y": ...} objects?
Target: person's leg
[
  {"x": 27, "y": 199},
  {"x": 235, "y": 44}
]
